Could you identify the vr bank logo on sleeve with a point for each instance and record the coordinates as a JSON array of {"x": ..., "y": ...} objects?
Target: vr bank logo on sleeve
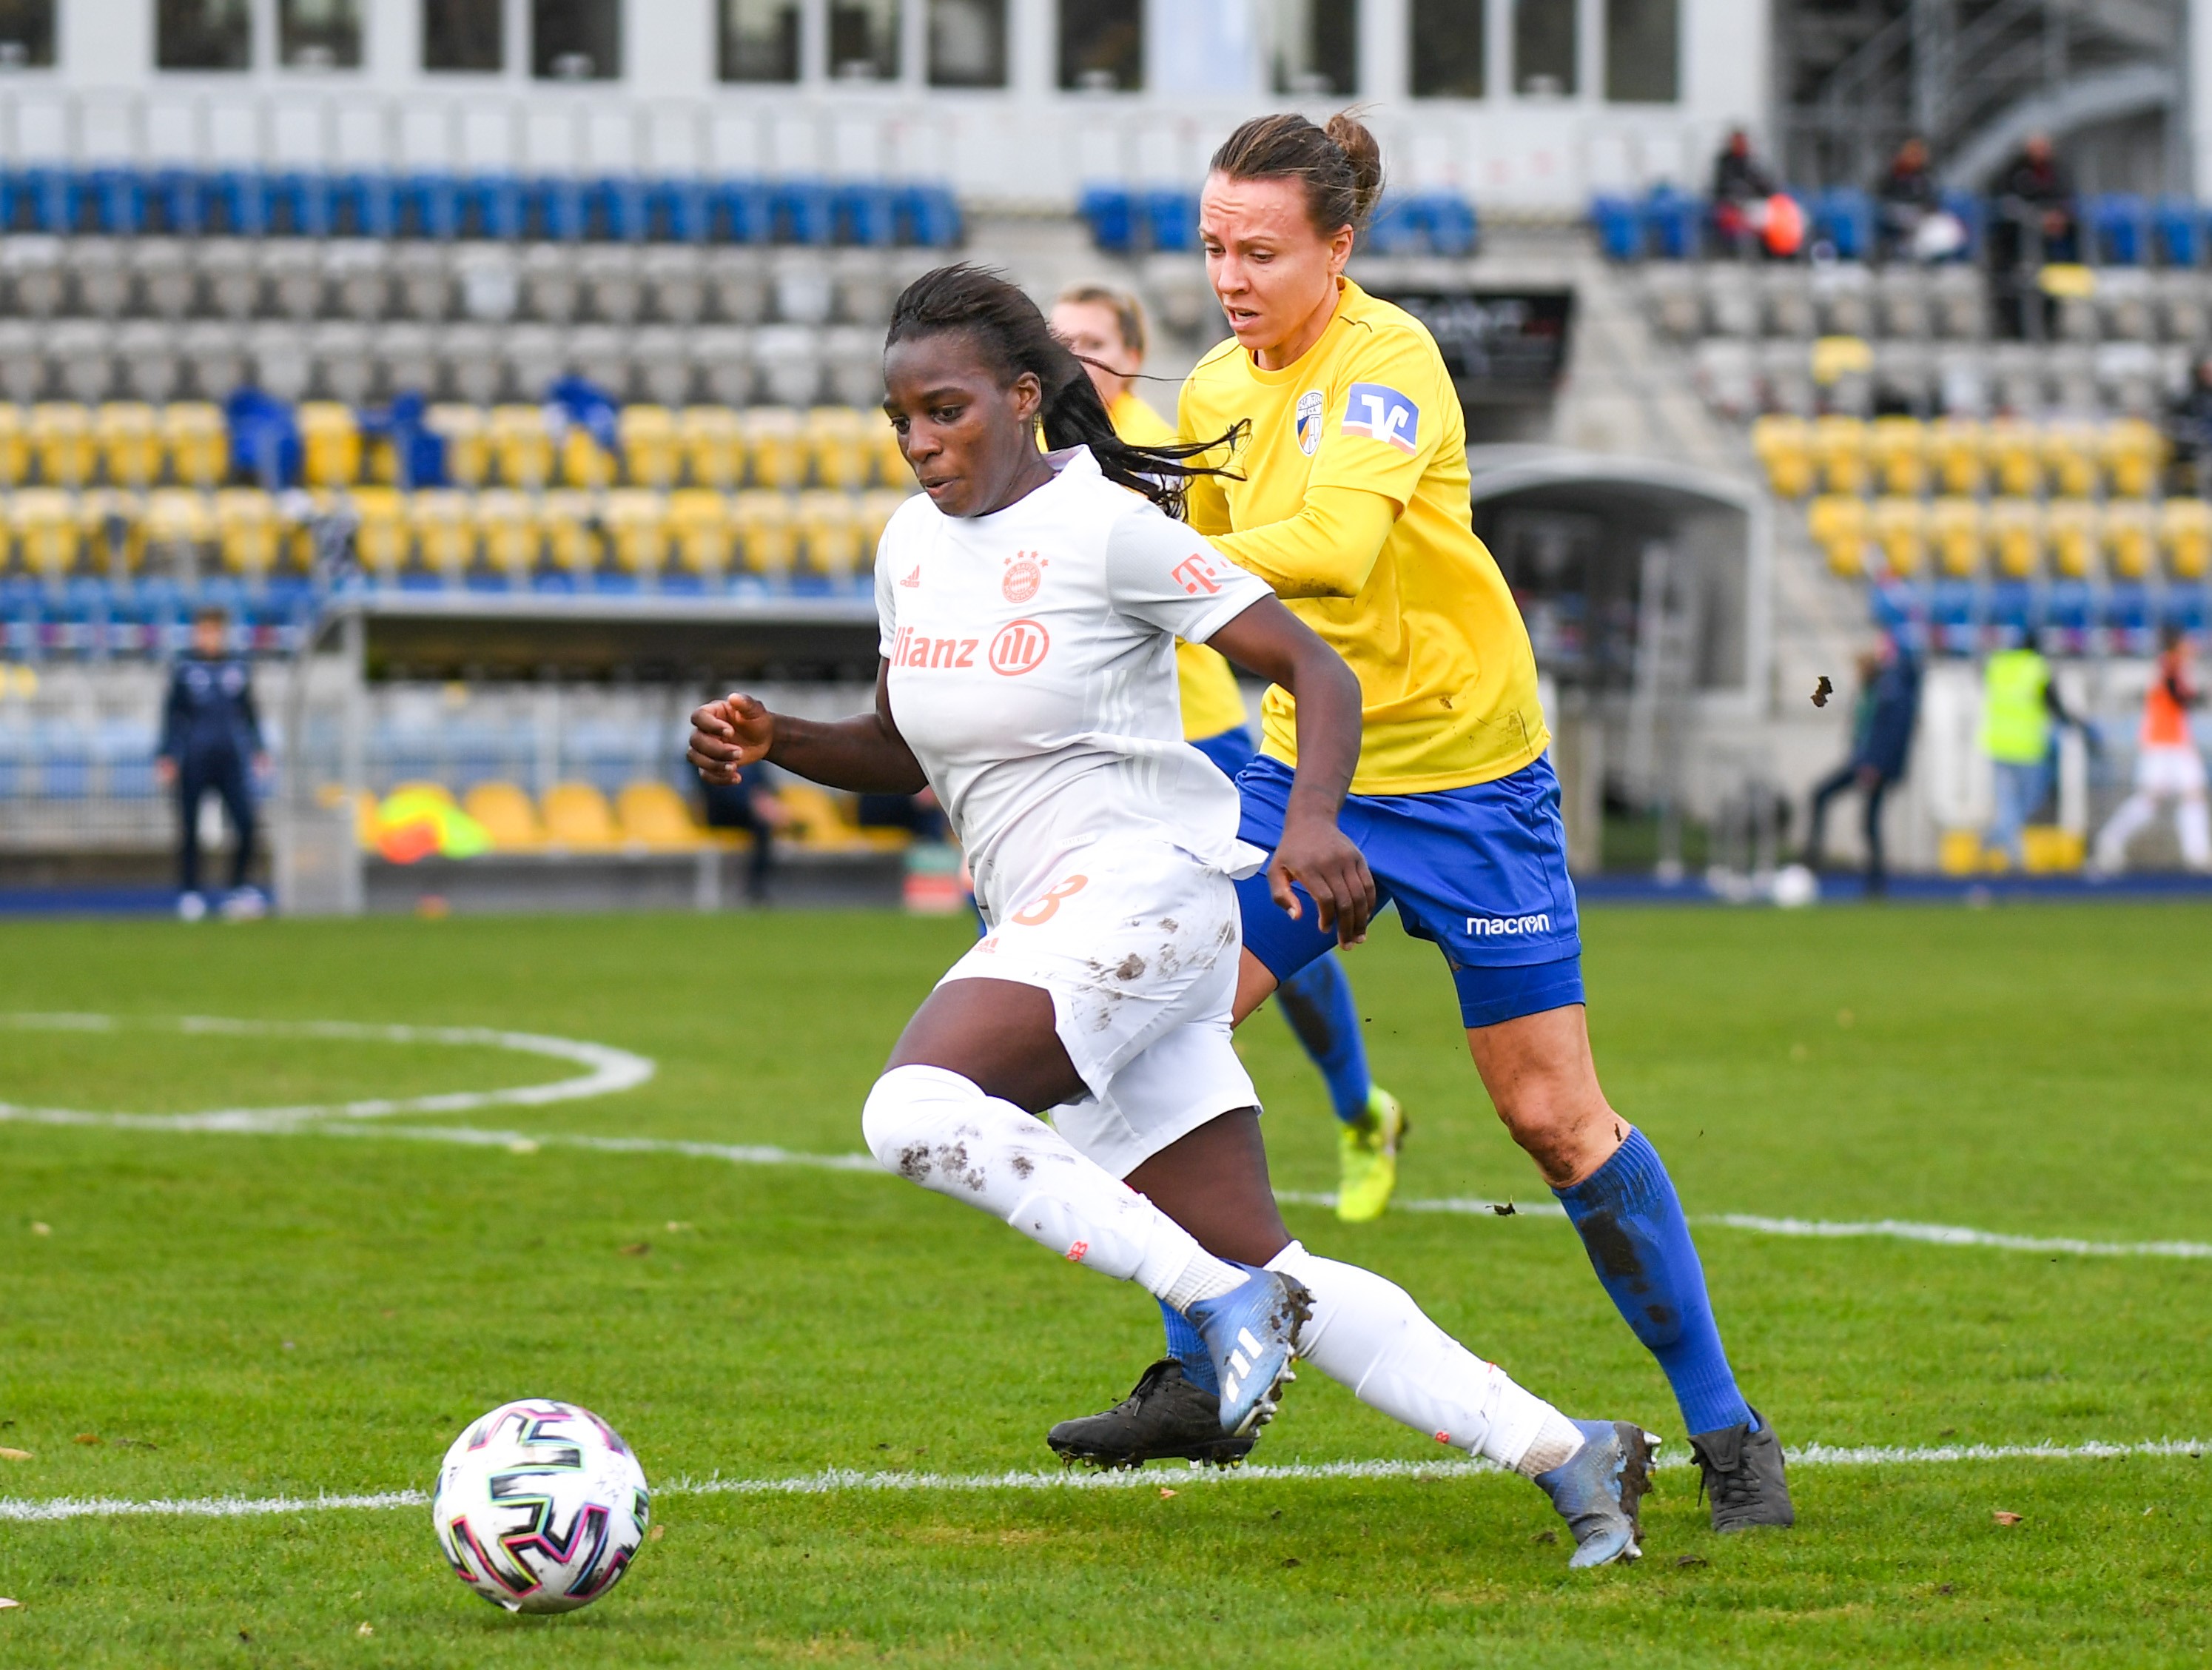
[
  {"x": 1383, "y": 413},
  {"x": 1495, "y": 926}
]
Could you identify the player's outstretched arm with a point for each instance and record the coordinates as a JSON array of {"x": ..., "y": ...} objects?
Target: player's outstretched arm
[
  {"x": 1269, "y": 640},
  {"x": 865, "y": 754}
]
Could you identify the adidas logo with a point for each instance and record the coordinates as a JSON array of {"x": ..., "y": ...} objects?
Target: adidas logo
[{"x": 914, "y": 578}]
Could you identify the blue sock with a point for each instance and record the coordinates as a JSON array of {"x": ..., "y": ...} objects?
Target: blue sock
[
  {"x": 1630, "y": 1221},
  {"x": 1317, "y": 1003},
  {"x": 1187, "y": 1347}
]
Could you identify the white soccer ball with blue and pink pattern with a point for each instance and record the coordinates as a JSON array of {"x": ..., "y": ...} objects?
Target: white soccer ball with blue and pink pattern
[{"x": 540, "y": 1506}]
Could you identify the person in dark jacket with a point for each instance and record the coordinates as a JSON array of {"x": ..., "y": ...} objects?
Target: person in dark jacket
[
  {"x": 211, "y": 743},
  {"x": 1882, "y": 737},
  {"x": 2031, "y": 226},
  {"x": 1906, "y": 195},
  {"x": 1740, "y": 189}
]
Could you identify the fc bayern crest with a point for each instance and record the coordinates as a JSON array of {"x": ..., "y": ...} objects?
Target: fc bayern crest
[
  {"x": 1308, "y": 422},
  {"x": 1022, "y": 578}
]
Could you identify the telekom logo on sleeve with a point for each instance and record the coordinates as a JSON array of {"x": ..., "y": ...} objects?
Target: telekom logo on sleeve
[
  {"x": 1195, "y": 575},
  {"x": 1019, "y": 648}
]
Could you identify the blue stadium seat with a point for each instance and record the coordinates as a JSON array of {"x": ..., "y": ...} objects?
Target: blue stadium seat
[
  {"x": 2183, "y": 606},
  {"x": 553, "y": 208},
  {"x": 2013, "y": 604},
  {"x": 676, "y": 211},
  {"x": 1452, "y": 225},
  {"x": 299, "y": 203},
  {"x": 1619, "y": 226},
  {"x": 46, "y": 199},
  {"x": 801, "y": 211},
  {"x": 2178, "y": 232},
  {"x": 613, "y": 209},
  {"x": 1112, "y": 216},
  {"x": 364, "y": 204},
  {"x": 1954, "y": 614},
  {"x": 119, "y": 200},
  {"x": 865, "y": 213},
  {"x": 1169, "y": 219},
  {"x": 1395, "y": 229},
  {"x": 739, "y": 211},
  {"x": 1843, "y": 215},
  {"x": 1672, "y": 223},
  {"x": 1971, "y": 212},
  {"x": 2119, "y": 229},
  {"x": 429, "y": 206},
  {"x": 928, "y": 216},
  {"x": 178, "y": 203},
  {"x": 238, "y": 201}
]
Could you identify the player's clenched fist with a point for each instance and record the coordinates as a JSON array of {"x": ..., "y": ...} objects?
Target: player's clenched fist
[{"x": 729, "y": 735}]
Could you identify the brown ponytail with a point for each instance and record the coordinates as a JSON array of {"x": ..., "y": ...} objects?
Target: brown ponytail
[{"x": 1340, "y": 165}]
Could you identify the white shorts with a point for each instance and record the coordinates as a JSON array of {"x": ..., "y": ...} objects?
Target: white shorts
[
  {"x": 2169, "y": 771},
  {"x": 1137, "y": 944}
]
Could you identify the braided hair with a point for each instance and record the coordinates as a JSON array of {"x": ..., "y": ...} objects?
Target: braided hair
[{"x": 1014, "y": 337}]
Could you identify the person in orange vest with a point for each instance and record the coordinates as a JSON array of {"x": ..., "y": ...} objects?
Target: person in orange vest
[{"x": 2167, "y": 766}]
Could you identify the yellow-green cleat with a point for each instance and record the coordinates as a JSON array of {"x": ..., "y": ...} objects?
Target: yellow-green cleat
[{"x": 1368, "y": 1152}]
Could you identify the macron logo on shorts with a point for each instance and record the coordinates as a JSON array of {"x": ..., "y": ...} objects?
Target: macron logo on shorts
[
  {"x": 1504, "y": 927},
  {"x": 1381, "y": 413}
]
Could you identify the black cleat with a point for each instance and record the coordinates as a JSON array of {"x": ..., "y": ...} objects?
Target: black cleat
[
  {"x": 1743, "y": 1476},
  {"x": 1166, "y": 1419}
]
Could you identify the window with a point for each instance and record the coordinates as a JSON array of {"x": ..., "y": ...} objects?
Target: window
[
  {"x": 318, "y": 34},
  {"x": 464, "y": 35},
  {"x": 1102, "y": 45},
  {"x": 966, "y": 42},
  {"x": 575, "y": 39},
  {"x": 758, "y": 40},
  {"x": 864, "y": 39},
  {"x": 1451, "y": 58},
  {"x": 1313, "y": 46},
  {"x": 26, "y": 34},
  {"x": 202, "y": 34},
  {"x": 1544, "y": 47},
  {"x": 1642, "y": 51}
]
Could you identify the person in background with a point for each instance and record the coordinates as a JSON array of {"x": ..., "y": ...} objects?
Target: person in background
[
  {"x": 2020, "y": 709},
  {"x": 2167, "y": 766},
  {"x": 1882, "y": 737},
  {"x": 748, "y": 805},
  {"x": 1906, "y": 197},
  {"x": 1740, "y": 190},
  {"x": 212, "y": 743},
  {"x": 1105, "y": 328},
  {"x": 2189, "y": 427},
  {"x": 2032, "y": 227}
]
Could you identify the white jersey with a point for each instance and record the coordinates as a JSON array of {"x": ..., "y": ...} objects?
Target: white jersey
[{"x": 1032, "y": 672}]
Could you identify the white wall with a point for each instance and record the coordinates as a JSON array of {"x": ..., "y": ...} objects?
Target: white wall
[{"x": 1030, "y": 143}]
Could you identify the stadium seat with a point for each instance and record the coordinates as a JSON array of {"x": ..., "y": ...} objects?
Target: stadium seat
[
  {"x": 767, "y": 533},
  {"x": 776, "y": 444},
  {"x": 521, "y": 446},
  {"x": 1839, "y": 526},
  {"x": 1897, "y": 449},
  {"x": 572, "y": 537},
  {"x": 112, "y": 521},
  {"x": 1955, "y": 527},
  {"x": 2129, "y": 539},
  {"x": 1956, "y": 446},
  {"x": 177, "y": 524},
  {"x": 2070, "y": 525},
  {"x": 382, "y": 541},
  {"x": 704, "y": 535},
  {"x": 661, "y": 366},
  {"x": 2071, "y": 459},
  {"x": 892, "y": 467},
  {"x": 875, "y": 509},
  {"x": 637, "y": 525},
  {"x": 837, "y": 440},
  {"x": 651, "y": 455},
  {"x": 330, "y": 444},
  {"x": 585, "y": 464},
  {"x": 1783, "y": 445},
  {"x": 62, "y": 442},
  {"x": 2014, "y": 452},
  {"x": 2134, "y": 455},
  {"x": 14, "y": 446},
  {"x": 443, "y": 521},
  {"x": 2016, "y": 537},
  {"x": 48, "y": 537},
  {"x": 246, "y": 531},
  {"x": 817, "y": 818},
  {"x": 1839, "y": 443},
  {"x": 724, "y": 356},
  {"x": 577, "y": 817},
  {"x": 788, "y": 360},
  {"x": 507, "y": 816},
  {"x": 653, "y": 815},
  {"x": 128, "y": 434},
  {"x": 196, "y": 441},
  {"x": 829, "y": 531},
  {"x": 507, "y": 533},
  {"x": 1899, "y": 526},
  {"x": 2184, "y": 533},
  {"x": 467, "y": 440},
  {"x": 713, "y": 443}
]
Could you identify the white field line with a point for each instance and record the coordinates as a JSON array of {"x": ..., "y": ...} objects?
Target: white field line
[{"x": 837, "y": 1480}]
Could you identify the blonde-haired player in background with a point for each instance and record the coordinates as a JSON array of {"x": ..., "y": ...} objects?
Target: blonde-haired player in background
[{"x": 1106, "y": 330}]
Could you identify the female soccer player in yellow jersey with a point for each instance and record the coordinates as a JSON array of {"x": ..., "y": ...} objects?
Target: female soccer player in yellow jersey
[
  {"x": 1349, "y": 495},
  {"x": 1105, "y": 329}
]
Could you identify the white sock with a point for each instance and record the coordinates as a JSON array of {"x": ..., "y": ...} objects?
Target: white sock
[
  {"x": 1367, "y": 1334},
  {"x": 2196, "y": 832},
  {"x": 935, "y": 1128},
  {"x": 2135, "y": 813}
]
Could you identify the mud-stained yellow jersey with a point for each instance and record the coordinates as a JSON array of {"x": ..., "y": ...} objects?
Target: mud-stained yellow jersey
[
  {"x": 1211, "y": 702},
  {"x": 1354, "y": 505}
]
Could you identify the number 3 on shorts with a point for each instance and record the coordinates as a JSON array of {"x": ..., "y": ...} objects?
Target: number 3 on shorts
[{"x": 1044, "y": 909}]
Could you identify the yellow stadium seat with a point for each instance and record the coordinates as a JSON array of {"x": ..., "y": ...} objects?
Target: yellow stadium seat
[
  {"x": 818, "y": 818},
  {"x": 892, "y": 467},
  {"x": 838, "y": 438},
  {"x": 468, "y": 441},
  {"x": 2135, "y": 454},
  {"x": 1956, "y": 446},
  {"x": 1783, "y": 445},
  {"x": 198, "y": 443},
  {"x": 1900, "y": 530},
  {"x": 700, "y": 524},
  {"x": 572, "y": 542},
  {"x": 507, "y": 816},
  {"x": 776, "y": 444},
  {"x": 2130, "y": 538},
  {"x": 47, "y": 533},
  {"x": 247, "y": 531},
  {"x": 2070, "y": 525},
  {"x": 2185, "y": 530},
  {"x": 1835, "y": 357},
  {"x": 767, "y": 533},
  {"x": 507, "y": 527},
  {"x": 128, "y": 434},
  {"x": 2072, "y": 459},
  {"x": 61, "y": 441},
  {"x": 381, "y": 540},
  {"x": 14, "y": 446},
  {"x": 1954, "y": 527},
  {"x": 424, "y": 788},
  {"x": 585, "y": 464},
  {"x": 637, "y": 525},
  {"x": 653, "y": 815},
  {"x": 2016, "y": 536},
  {"x": 367, "y": 821},
  {"x": 444, "y": 524},
  {"x": 1839, "y": 526},
  {"x": 1898, "y": 449},
  {"x": 113, "y": 523},
  {"x": 330, "y": 444},
  {"x": 877, "y": 506},
  {"x": 577, "y": 816},
  {"x": 1840, "y": 446},
  {"x": 830, "y": 529},
  {"x": 714, "y": 446},
  {"x": 2014, "y": 452},
  {"x": 651, "y": 455},
  {"x": 521, "y": 446},
  {"x": 179, "y": 522}
]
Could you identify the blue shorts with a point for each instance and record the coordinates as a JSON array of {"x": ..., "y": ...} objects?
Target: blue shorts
[
  {"x": 1481, "y": 871},
  {"x": 1232, "y": 750}
]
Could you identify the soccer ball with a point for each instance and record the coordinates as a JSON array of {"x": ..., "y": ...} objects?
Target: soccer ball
[
  {"x": 540, "y": 1506},
  {"x": 1796, "y": 887}
]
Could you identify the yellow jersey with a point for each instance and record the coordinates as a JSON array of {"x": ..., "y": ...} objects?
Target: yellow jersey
[
  {"x": 1211, "y": 702},
  {"x": 1447, "y": 677}
]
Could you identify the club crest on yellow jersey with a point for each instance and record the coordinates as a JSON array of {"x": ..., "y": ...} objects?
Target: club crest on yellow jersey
[{"x": 1308, "y": 420}]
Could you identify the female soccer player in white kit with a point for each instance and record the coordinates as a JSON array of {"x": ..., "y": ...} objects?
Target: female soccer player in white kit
[{"x": 1029, "y": 605}]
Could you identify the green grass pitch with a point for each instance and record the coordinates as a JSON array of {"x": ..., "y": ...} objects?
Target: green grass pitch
[{"x": 259, "y": 1315}]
